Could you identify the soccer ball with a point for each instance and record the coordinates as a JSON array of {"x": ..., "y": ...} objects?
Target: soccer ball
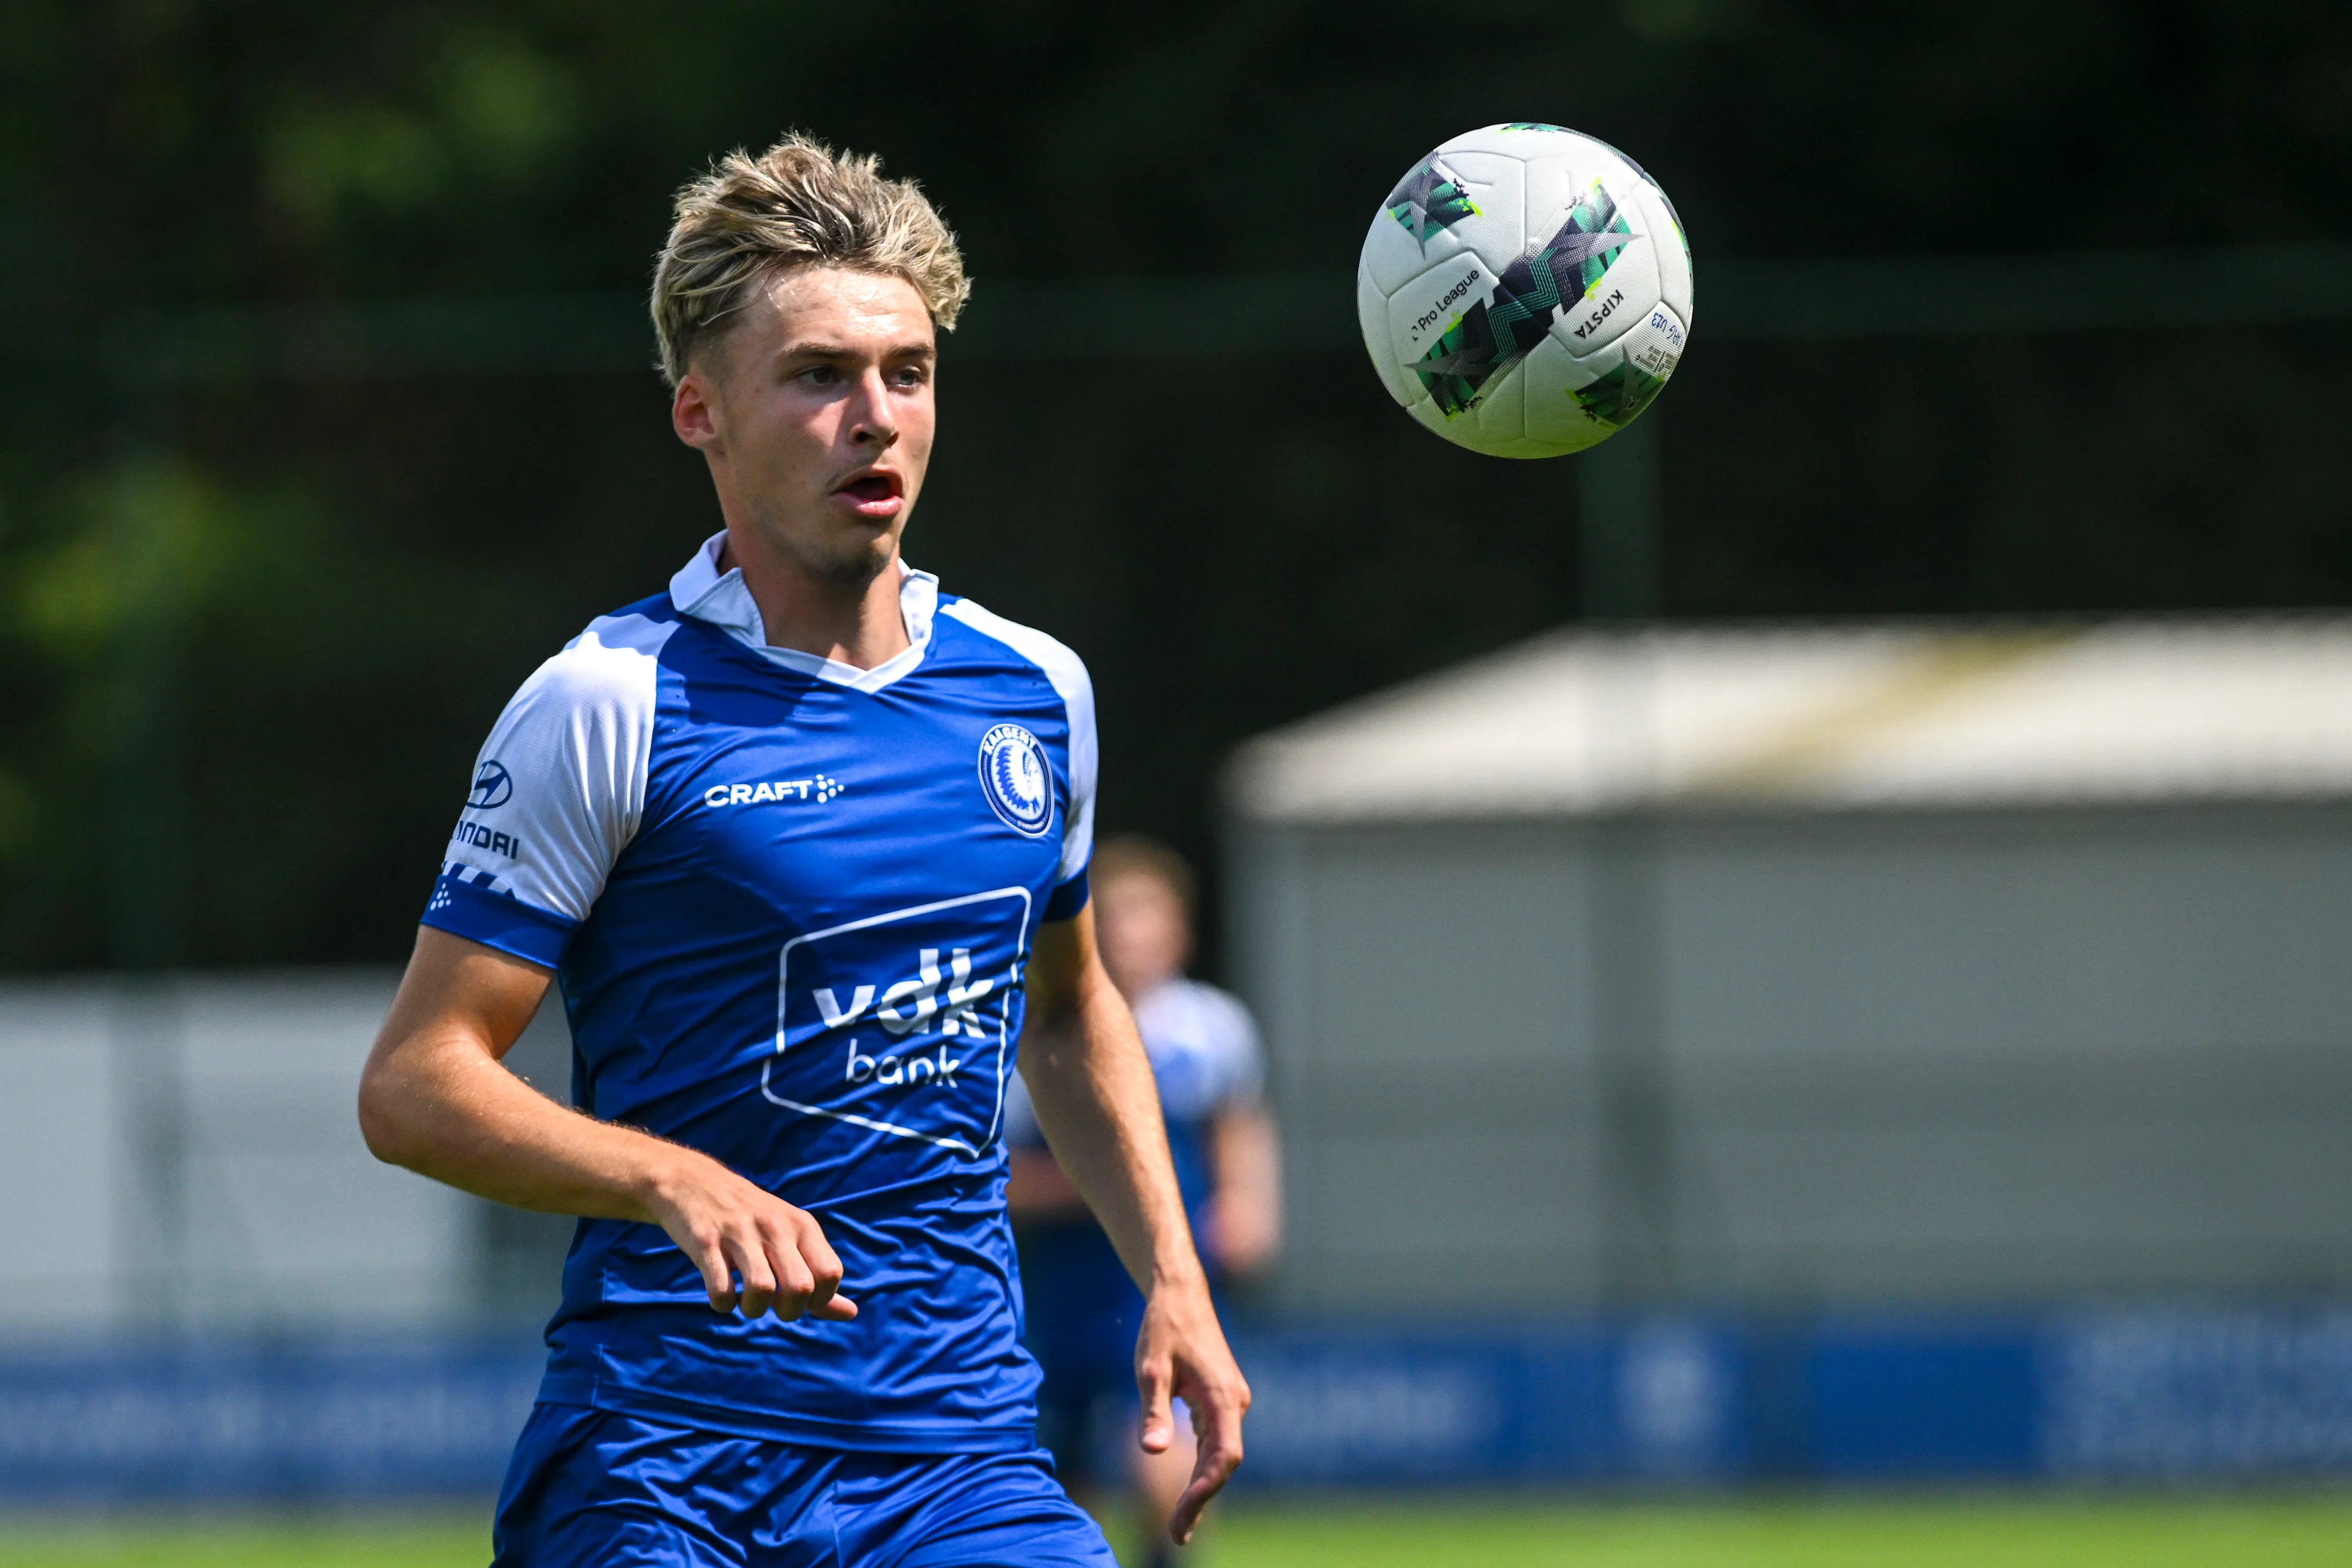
[{"x": 1526, "y": 291}]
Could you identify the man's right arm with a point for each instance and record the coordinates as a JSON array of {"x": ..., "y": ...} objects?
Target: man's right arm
[
  {"x": 1245, "y": 1215},
  {"x": 434, "y": 1098}
]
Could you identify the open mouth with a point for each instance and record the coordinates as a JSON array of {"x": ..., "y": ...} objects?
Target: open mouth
[{"x": 873, "y": 490}]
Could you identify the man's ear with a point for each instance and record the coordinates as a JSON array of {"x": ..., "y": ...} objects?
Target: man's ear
[{"x": 694, "y": 412}]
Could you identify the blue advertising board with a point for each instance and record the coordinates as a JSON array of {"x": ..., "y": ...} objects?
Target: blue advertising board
[
  {"x": 2101, "y": 1394},
  {"x": 1578, "y": 1401},
  {"x": 263, "y": 1419},
  {"x": 2130, "y": 1395}
]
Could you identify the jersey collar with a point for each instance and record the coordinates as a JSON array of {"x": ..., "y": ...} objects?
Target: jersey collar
[{"x": 700, "y": 589}]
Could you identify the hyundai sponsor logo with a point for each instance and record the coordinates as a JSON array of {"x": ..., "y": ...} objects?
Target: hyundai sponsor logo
[{"x": 493, "y": 787}]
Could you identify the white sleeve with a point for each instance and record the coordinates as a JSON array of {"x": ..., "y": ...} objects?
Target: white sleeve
[
  {"x": 1241, "y": 1059},
  {"x": 559, "y": 790},
  {"x": 1067, "y": 674},
  {"x": 1078, "y": 689}
]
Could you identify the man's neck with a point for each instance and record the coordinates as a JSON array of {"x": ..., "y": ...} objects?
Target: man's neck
[{"x": 860, "y": 627}]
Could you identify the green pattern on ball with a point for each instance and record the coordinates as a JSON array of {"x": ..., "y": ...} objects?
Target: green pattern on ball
[
  {"x": 1674, "y": 218},
  {"x": 1431, "y": 198},
  {"x": 1499, "y": 332},
  {"x": 1621, "y": 394},
  {"x": 1595, "y": 212}
]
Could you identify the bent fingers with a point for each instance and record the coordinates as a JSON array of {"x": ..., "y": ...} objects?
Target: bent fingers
[
  {"x": 760, "y": 1285},
  {"x": 1153, "y": 1380},
  {"x": 718, "y": 1276},
  {"x": 1217, "y": 1425}
]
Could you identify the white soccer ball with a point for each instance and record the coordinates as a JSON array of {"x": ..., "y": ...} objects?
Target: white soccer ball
[{"x": 1525, "y": 290}]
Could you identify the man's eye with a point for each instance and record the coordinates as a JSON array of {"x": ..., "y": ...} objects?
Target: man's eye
[{"x": 820, "y": 376}]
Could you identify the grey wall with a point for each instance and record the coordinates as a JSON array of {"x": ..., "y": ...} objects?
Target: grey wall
[
  {"x": 1422, "y": 996},
  {"x": 520, "y": 1253},
  {"x": 186, "y": 1151},
  {"x": 1809, "y": 1059}
]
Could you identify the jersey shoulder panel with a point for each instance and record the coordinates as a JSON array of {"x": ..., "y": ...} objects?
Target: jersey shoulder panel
[
  {"x": 1067, "y": 674},
  {"x": 558, "y": 789},
  {"x": 607, "y": 672},
  {"x": 1204, "y": 1047}
]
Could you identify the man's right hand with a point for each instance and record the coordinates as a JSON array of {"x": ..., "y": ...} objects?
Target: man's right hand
[
  {"x": 733, "y": 1230},
  {"x": 433, "y": 1098}
]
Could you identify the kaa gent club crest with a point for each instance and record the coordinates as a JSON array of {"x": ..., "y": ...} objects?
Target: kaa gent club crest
[{"x": 1019, "y": 786}]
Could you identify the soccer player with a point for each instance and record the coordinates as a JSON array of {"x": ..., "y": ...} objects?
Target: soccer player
[
  {"x": 1084, "y": 1311},
  {"x": 800, "y": 837}
]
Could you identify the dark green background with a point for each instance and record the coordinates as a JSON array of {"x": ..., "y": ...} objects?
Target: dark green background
[{"x": 337, "y": 584}]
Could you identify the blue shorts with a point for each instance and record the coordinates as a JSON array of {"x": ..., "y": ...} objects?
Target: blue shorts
[
  {"x": 596, "y": 1488},
  {"x": 1082, "y": 1314}
]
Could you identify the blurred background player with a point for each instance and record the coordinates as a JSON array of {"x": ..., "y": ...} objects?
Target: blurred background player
[{"x": 1082, "y": 1309}]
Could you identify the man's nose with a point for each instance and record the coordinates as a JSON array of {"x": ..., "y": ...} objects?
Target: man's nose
[{"x": 874, "y": 422}]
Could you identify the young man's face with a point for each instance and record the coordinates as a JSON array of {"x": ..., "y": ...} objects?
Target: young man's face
[
  {"x": 1143, "y": 931},
  {"x": 815, "y": 411}
]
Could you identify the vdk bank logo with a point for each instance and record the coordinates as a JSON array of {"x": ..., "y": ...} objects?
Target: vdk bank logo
[
  {"x": 911, "y": 1007},
  {"x": 923, "y": 1054},
  {"x": 493, "y": 787},
  {"x": 1018, "y": 783}
]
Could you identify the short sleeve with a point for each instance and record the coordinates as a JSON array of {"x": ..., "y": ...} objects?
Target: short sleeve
[
  {"x": 1079, "y": 829},
  {"x": 1067, "y": 674},
  {"x": 1240, "y": 1059},
  {"x": 559, "y": 790},
  {"x": 1069, "y": 895},
  {"x": 1205, "y": 1049}
]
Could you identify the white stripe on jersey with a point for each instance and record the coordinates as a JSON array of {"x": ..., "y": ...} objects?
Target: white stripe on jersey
[{"x": 1068, "y": 674}]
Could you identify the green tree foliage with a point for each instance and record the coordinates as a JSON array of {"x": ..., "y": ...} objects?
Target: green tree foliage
[{"x": 256, "y": 629}]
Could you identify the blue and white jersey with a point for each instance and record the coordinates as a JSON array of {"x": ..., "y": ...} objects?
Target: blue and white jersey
[
  {"x": 790, "y": 904},
  {"x": 1207, "y": 1062}
]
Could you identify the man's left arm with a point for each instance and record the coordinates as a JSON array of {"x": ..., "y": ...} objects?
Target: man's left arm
[{"x": 1090, "y": 1084}]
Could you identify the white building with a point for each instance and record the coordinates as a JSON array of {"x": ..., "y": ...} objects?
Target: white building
[{"x": 1815, "y": 966}]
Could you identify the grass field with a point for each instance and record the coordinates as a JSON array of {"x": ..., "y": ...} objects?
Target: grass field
[{"x": 1945, "y": 1533}]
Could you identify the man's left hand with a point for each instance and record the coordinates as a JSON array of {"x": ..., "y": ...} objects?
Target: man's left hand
[{"x": 1181, "y": 1354}]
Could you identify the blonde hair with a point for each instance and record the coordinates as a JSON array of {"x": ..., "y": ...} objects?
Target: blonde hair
[{"x": 799, "y": 203}]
